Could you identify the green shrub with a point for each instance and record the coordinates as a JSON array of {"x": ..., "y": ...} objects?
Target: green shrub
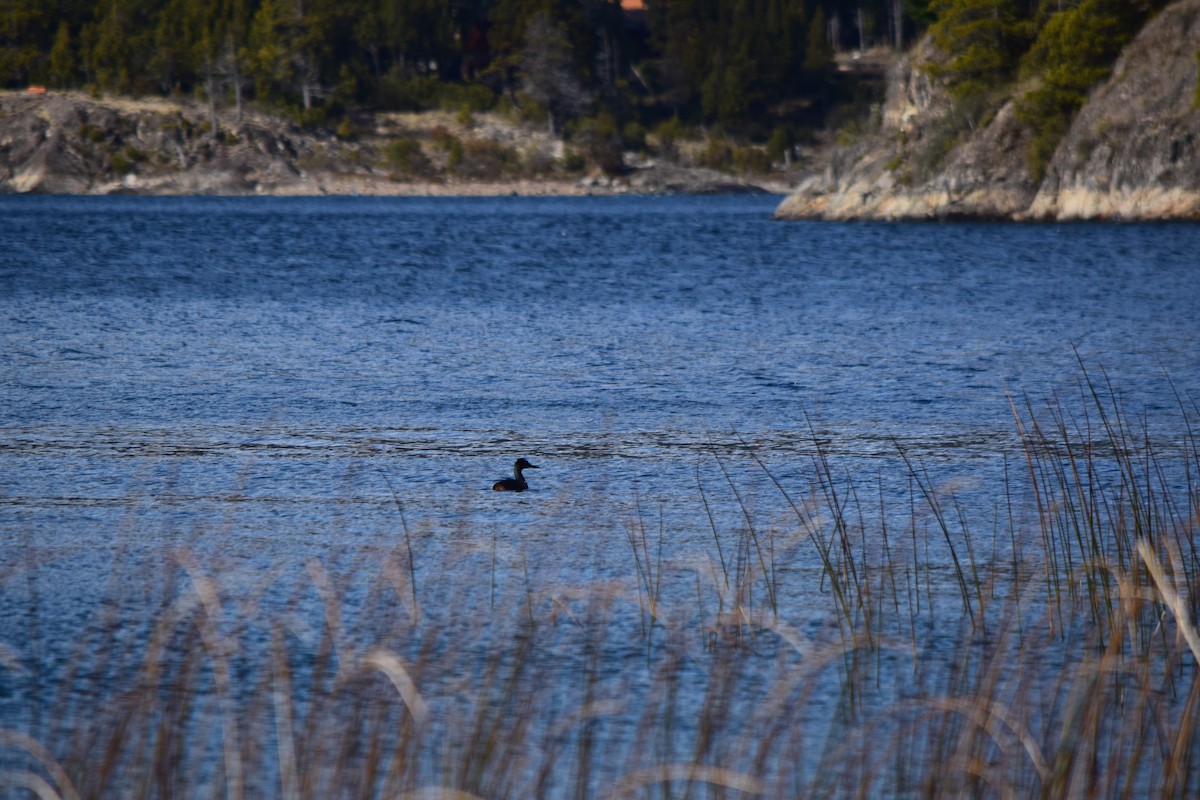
[
  {"x": 398, "y": 92},
  {"x": 313, "y": 117},
  {"x": 441, "y": 137},
  {"x": 982, "y": 41},
  {"x": 120, "y": 164},
  {"x": 345, "y": 129},
  {"x": 505, "y": 107},
  {"x": 177, "y": 123},
  {"x": 469, "y": 97},
  {"x": 455, "y": 153},
  {"x": 346, "y": 91},
  {"x": 598, "y": 137},
  {"x": 1048, "y": 112},
  {"x": 751, "y": 159},
  {"x": 405, "y": 155},
  {"x": 529, "y": 110},
  {"x": 450, "y": 144},
  {"x": 939, "y": 139},
  {"x": 487, "y": 160},
  {"x": 539, "y": 162},
  {"x": 718, "y": 154},
  {"x": 1196, "y": 91},
  {"x": 573, "y": 161},
  {"x": 780, "y": 143},
  {"x": 1073, "y": 52},
  {"x": 669, "y": 135},
  {"x": 634, "y": 135},
  {"x": 591, "y": 129}
]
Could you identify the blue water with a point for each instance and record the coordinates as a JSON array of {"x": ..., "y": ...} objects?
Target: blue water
[
  {"x": 239, "y": 372},
  {"x": 243, "y": 377}
]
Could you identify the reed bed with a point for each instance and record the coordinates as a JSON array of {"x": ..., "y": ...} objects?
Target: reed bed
[{"x": 1046, "y": 646}]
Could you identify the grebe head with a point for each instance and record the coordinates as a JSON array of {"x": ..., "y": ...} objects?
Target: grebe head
[{"x": 517, "y": 483}]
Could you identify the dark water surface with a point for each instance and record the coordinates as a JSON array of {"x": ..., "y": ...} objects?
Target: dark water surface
[{"x": 238, "y": 376}]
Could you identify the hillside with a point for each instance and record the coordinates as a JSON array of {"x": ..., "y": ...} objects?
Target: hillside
[
  {"x": 1130, "y": 153},
  {"x": 70, "y": 143}
]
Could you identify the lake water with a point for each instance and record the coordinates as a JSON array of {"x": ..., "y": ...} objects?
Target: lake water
[{"x": 243, "y": 378}]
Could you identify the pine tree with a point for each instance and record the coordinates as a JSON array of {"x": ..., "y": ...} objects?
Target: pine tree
[
  {"x": 1196, "y": 91},
  {"x": 1074, "y": 51},
  {"x": 267, "y": 50},
  {"x": 23, "y": 25},
  {"x": 235, "y": 61},
  {"x": 430, "y": 33},
  {"x": 62, "y": 58},
  {"x": 171, "y": 64},
  {"x": 818, "y": 53},
  {"x": 983, "y": 41},
  {"x": 310, "y": 45},
  {"x": 547, "y": 71},
  {"x": 110, "y": 55},
  {"x": 737, "y": 57}
]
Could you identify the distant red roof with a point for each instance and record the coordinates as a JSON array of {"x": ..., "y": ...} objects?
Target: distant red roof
[{"x": 633, "y": 5}]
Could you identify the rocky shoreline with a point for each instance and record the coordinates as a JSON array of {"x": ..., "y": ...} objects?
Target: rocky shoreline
[
  {"x": 69, "y": 143},
  {"x": 1132, "y": 153}
]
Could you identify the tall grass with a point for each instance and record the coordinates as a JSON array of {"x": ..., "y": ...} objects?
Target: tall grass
[{"x": 1044, "y": 647}]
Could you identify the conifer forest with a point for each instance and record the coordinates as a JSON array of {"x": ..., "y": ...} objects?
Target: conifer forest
[{"x": 746, "y": 65}]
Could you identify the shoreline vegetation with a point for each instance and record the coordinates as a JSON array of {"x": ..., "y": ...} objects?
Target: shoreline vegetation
[
  {"x": 612, "y": 84},
  {"x": 938, "y": 109},
  {"x": 1063, "y": 664},
  {"x": 1090, "y": 122},
  {"x": 70, "y": 143}
]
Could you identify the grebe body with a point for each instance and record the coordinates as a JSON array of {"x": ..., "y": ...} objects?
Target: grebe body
[{"x": 517, "y": 483}]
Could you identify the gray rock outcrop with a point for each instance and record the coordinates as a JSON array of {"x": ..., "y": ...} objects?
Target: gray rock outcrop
[
  {"x": 74, "y": 144},
  {"x": 914, "y": 168},
  {"x": 69, "y": 144},
  {"x": 1131, "y": 153},
  {"x": 1134, "y": 150}
]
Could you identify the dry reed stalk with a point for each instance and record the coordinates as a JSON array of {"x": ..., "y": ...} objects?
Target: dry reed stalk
[
  {"x": 392, "y": 666},
  {"x": 62, "y": 786},
  {"x": 1171, "y": 598},
  {"x": 218, "y": 650},
  {"x": 281, "y": 696},
  {"x": 412, "y": 564},
  {"x": 1067, "y": 670},
  {"x": 668, "y": 773},
  {"x": 438, "y": 793}
]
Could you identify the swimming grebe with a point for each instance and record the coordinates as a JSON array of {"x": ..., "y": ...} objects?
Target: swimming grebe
[{"x": 517, "y": 483}]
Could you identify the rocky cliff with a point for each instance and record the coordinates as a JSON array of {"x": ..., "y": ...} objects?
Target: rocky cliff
[
  {"x": 1131, "y": 153},
  {"x": 74, "y": 144},
  {"x": 70, "y": 144}
]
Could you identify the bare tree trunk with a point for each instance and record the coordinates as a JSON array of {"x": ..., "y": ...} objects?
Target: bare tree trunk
[
  {"x": 373, "y": 50},
  {"x": 210, "y": 86},
  {"x": 237, "y": 96},
  {"x": 231, "y": 68},
  {"x": 308, "y": 83},
  {"x": 898, "y": 22}
]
